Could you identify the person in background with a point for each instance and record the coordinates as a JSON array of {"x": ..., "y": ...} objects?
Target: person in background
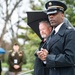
[
  {"x": 60, "y": 52},
  {"x": 0, "y": 67},
  {"x": 15, "y": 60},
  {"x": 39, "y": 65}
]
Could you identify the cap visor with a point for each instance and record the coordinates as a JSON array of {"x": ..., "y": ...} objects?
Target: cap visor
[{"x": 51, "y": 12}]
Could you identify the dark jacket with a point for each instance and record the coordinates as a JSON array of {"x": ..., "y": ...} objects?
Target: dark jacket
[
  {"x": 61, "y": 57},
  {"x": 19, "y": 56},
  {"x": 39, "y": 67}
]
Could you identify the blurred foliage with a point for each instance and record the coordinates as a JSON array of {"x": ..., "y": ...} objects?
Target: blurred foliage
[
  {"x": 30, "y": 48},
  {"x": 70, "y": 12}
]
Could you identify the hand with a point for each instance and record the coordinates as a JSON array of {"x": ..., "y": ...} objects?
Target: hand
[
  {"x": 45, "y": 53},
  {"x": 42, "y": 54},
  {"x": 16, "y": 66}
]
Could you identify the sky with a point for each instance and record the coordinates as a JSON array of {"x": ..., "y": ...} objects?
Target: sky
[
  {"x": 14, "y": 18},
  {"x": 25, "y": 7}
]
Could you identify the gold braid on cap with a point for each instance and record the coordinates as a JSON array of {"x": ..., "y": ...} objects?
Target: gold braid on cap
[{"x": 55, "y": 7}]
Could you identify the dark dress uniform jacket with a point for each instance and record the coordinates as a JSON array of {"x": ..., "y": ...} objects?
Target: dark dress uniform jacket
[
  {"x": 20, "y": 59},
  {"x": 61, "y": 47}
]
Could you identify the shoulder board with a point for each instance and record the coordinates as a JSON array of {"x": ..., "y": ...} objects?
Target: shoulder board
[
  {"x": 10, "y": 50},
  {"x": 20, "y": 51}
]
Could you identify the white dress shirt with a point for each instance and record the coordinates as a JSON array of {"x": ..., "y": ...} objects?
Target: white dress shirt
[{"x": 58, "y": 27}]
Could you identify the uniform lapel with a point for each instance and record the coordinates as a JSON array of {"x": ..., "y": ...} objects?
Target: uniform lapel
[
  {"x": 56, "y": 37},
  {"x": 52, "y": 41}
]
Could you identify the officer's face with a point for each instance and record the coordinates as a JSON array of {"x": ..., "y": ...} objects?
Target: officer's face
[
  {"x": 45, "y": 30},
  {"x": 56, "y": 19},
  {"x": 16, "y": 47}
]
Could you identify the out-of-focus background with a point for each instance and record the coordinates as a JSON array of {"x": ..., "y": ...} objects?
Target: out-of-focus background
[{"x": 14, "y": 28}]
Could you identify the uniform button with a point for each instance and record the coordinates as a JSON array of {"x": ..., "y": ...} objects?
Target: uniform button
[{"x": 54, "y": 68}]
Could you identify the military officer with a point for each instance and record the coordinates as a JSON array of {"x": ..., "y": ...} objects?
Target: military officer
[
  {"x": 60, "y": 52},
  {"x": 15, "y": 60}
]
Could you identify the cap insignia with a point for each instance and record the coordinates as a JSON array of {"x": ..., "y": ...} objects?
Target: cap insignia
[{"x": 50, "y": 3}]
